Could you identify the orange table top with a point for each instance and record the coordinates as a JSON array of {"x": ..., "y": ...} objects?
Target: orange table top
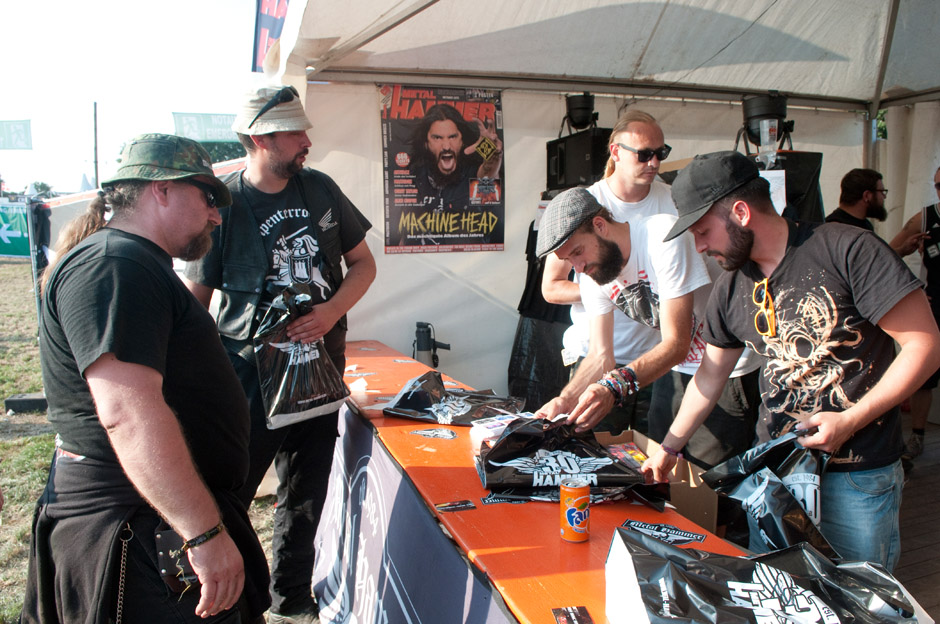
[{"x": 516, "y": 545}]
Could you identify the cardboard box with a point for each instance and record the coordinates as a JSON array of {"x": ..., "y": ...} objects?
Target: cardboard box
[{"x": 689, "y": 494}]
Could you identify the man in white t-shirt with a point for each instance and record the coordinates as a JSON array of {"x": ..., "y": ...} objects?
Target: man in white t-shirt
[
  {"x": 630, "y": 190},
  {"x": 626, "y": 266}
]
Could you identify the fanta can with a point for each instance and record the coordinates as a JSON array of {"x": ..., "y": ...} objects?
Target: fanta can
[{"x": 575, "y": 509}]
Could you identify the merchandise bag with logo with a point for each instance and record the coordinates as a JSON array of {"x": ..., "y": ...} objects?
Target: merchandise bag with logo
[
  {"x": 426, "y": 398},
  {"x": 650, "y": 581},
  {"x": 777, "y": 483},
  {"x": 537, "y": 455},
  {"x": 298, "y": 380}
]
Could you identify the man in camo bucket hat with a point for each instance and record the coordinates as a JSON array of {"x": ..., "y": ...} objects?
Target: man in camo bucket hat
[
  {"x": 168, "y": 157},
  {"x": 152, "y": 422}
]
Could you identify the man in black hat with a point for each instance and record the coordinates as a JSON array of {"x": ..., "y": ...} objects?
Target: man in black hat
[
  {"x": 287, "y": 224},
  {"x": 823, "y": 305}
]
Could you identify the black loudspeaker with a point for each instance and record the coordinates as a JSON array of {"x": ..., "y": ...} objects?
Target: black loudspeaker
[
  {"x": 577, "y": 159},
  {"x": 804, "y": 196}
]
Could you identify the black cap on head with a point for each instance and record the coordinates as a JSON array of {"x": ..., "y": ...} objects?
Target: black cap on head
[
  {"x": 562, "y": 217},
  {"x": 705, "y": 180}
]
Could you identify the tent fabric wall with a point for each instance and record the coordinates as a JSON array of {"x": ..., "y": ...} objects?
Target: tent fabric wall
[{"x": 471, "y": 298}]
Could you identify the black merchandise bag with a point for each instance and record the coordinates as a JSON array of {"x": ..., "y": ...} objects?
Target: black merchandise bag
[
  {"x": 778, "y": 484},
  {"x": 539, "y": 454},
  {"x": 298, "y": 380},
  {"x": 425, "y": 398},
  {"x": 795, "y": 585}
]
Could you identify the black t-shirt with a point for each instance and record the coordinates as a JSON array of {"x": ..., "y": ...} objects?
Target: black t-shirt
[
  {"x": 117, "y": 293},
  {"x": 289, "y": 224},
  {"x": 290, "y": 242},
  {"x": 931, "y": 226},
  {"x": 840, "y": 216},
  {"x": 830, "y": 290}
]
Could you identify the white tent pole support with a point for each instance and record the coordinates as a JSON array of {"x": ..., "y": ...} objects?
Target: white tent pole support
[
  {"x": 565, "y": 84},
  {"x": 870, "y": 134},
  {"x": 377, "y": 29},
  {"x": 908, "y": 99},
  {"x": 890, "y": 25}
]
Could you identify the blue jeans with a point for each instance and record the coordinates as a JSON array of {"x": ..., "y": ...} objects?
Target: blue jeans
[{"x": 859, "y": 515}]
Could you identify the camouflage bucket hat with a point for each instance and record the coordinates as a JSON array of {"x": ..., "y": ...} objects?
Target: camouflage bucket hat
[{"x": 168, "y": 157}]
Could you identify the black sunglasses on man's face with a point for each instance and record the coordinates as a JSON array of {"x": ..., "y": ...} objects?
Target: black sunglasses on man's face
[
  {"x": 283, "y": 96},
  {"x": 645, "y": 155}
]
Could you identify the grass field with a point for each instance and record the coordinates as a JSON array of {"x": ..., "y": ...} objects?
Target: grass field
[{"x": 27, "y": 440}]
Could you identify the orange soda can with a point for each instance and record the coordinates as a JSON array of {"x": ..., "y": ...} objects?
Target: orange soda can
[{"x": 575, "y": 509}]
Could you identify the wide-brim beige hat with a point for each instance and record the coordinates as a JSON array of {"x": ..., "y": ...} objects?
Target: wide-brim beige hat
[{"x": 280, "y": 110}]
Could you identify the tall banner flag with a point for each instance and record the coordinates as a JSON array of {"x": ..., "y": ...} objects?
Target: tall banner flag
[
  {"x": 269, "y": 21},
  {"x": 16, "y": 135},
  {"x": 442, "y": 150}
]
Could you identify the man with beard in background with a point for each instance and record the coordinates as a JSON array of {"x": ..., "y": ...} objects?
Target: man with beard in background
[{"x": 862, "y": 197}]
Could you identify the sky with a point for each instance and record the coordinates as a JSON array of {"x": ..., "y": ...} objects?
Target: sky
[{"x": 140, "y": 61}]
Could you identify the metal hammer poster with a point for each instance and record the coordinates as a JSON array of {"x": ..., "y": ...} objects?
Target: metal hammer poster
[{"x": 443, "y": 169}]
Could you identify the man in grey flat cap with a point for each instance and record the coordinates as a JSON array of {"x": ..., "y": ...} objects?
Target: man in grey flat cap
[
  {"x": 287, "y": 224},
  {"x": 824, "y": 306}
]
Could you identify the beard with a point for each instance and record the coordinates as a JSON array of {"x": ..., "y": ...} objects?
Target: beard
[
  {"x": 608, "y": 266},
  {"x": 198, "y": 246},
  {"x": 740, "y": 242},
  {"x": 288, "y": 168},
  {"x": 874, "y": 211}
]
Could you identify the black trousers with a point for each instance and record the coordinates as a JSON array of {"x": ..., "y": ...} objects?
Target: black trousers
[
  {"x": 303, "y": 456},
  {"x": 728, "y": 431},
  {"x": 147, "y": 599}
]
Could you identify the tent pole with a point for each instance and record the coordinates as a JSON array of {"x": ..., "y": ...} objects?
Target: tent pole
[{"x": 870, "y": 133}]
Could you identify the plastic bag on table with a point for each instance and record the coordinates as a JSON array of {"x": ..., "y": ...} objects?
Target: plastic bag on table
[
  {"x": 665, "y": 583},
  {"x": 298, "y": 380},
  {"x": 425, "y": 398},
  {"x": 777, "y": 483},
  {"x": 536, "y": 453}
]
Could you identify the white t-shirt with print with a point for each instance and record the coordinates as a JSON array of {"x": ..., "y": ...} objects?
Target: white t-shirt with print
[
  {"x": 631, "y": 339},
  {"x": 654, "y": 271}
]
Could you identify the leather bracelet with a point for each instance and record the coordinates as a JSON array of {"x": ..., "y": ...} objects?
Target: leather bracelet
[
  {"x": 670, "y": 451},
  {"x": 199, "y": 540}
]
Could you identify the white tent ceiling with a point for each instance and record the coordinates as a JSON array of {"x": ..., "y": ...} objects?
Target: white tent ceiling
[
  {"x": 847, "y": 54},
  {"x": 827, "y": 56}
]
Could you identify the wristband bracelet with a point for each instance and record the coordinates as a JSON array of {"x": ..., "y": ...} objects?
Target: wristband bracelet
[
  {"x": 202, "y": 539},
  {"x": 612, "y": 388},
  {"x": 670, "y": 451}
]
